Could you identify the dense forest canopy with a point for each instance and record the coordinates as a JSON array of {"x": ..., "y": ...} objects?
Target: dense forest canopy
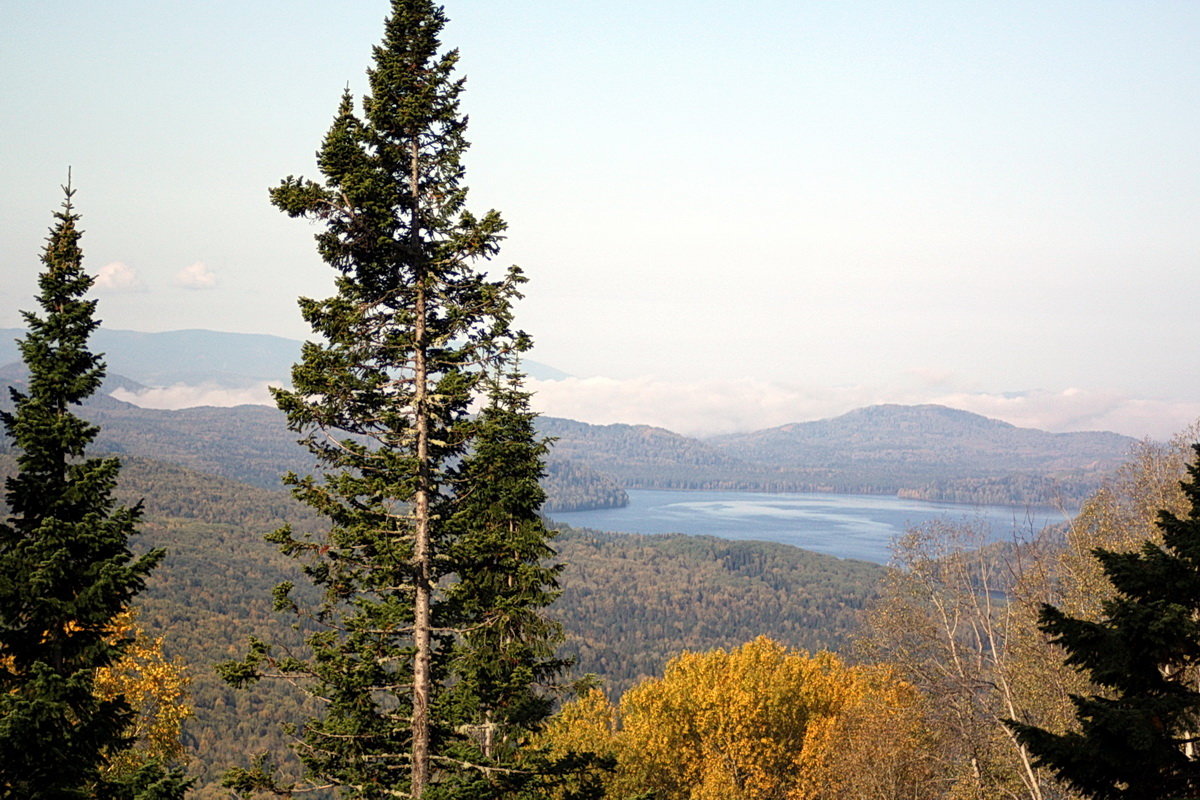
[{"x": 404, "y": 621}]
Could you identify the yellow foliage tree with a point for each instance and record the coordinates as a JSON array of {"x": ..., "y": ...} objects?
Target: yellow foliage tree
[
  {"x": 759, "y": 722},
  {"x": 879, "y": 745},
  {"x": 155, "y": 687}
]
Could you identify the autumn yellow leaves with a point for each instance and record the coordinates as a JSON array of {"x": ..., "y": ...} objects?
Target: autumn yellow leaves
[
  {"x": 758, "y": 722},
  {"x": 155, "y": 687},
  {"x": 951, "y": 652}
]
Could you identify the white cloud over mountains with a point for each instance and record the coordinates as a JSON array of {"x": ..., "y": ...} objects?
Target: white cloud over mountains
[
  {"x": 118, "y": 277},
  {"x": 208, "y": 394},
  {"x": 712, "y": 407},
  {"x": 1080, "y": 410},
  {"x": 196, "y": 276}
]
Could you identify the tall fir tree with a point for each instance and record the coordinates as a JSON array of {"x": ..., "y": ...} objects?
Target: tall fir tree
[
  {"x": 1138, "y": 739},
  {"x": 383, "y": 402},
  {"x": 66, "y": 570}
]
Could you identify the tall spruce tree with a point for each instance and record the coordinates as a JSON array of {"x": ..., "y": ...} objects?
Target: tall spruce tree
[
  {"x": 382, "y": 400},
  {"x": 66, "y": 570},
  {"x": 1139, "y": 738}
]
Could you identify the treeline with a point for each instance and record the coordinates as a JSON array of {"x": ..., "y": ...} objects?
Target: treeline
[
  {"x": 1008, "y": 490},
  {"x": 1016, "y": 490},
  {"x": 630, "y": 602},
  {"x": 570, "y": 486}
]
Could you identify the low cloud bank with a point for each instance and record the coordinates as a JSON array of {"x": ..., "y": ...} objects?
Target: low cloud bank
[
  {"x": 207, "y": 394},
  {"x": 714, "y": 407},
  {"x": 704, "y": 408},
  {"x": 1080, "y": 410}
]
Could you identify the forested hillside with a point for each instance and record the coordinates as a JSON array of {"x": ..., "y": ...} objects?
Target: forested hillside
[
  {"x": 913, "y": 439},
  {"x": 925, "y": 452},
  {"x": 571, "y": 486},
  {"x": 628, "y": 604},
  {"x": 251, "y": 444}
]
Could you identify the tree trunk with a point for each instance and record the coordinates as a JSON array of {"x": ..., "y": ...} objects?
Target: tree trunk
[{"x": 422, "y": 622}]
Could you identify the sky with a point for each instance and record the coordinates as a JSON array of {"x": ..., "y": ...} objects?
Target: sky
[{"x": 732, "y": 215}]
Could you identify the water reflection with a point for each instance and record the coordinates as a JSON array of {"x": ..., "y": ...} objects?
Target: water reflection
[{"x": 849, "y": 526}]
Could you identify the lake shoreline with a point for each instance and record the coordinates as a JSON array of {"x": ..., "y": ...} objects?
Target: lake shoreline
[{"x": 859, "y": 526}]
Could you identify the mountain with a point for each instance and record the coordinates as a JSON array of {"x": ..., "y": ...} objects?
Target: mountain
[
  {"x": 252, "y": 444},
  {"x": 195, "y": 357},
  {"x": 16, "y": 374},
  {"x": 927, "y": 442},
  {"x": 639, "y": 456},
  {"x": 924, "y": 452},
  {"x": 927, "y": 452},
  {"x": 898, "y": 437}
]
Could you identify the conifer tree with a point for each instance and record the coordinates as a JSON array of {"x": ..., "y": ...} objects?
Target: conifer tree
[
  {"x": 383, "y": 401},
  {"x": 1138, "y": 739},
  {"x": 66, "y": 570},
  {"x": 500, "y": 548}
]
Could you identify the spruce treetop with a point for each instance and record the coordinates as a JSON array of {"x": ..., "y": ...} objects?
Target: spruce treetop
[{"x": 66, "y": 570}]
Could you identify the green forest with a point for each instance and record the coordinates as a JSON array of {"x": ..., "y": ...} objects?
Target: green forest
[{"x": 397, "y": 618}]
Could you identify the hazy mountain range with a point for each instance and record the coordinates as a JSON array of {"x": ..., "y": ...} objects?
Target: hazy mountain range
[
  {"x": 196, "y": 357},
  {"x": 924, "y": 451}
]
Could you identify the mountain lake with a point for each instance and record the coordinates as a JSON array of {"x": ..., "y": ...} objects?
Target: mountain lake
[{"x": 843, "y": 525}]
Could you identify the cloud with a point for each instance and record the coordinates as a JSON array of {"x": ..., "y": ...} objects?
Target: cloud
[
  {"x": 706, "y": 408},
  {"x": 118, "y": 277},
  {"x": 693, "y": 408},
  {"x": 197, "y": 276},
  {"x": 703, "y": 408},
  {"x": 1082, "y": 410},
  {"x": 207, "y": 394}
]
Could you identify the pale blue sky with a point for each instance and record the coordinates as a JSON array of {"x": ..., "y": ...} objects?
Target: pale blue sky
[{"x": 855, "y": 200}]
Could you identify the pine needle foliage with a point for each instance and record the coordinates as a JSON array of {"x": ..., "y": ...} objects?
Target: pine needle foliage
[
  {"x": 504, "y": 660},
  {"x": 429, "y": 648},
  {"x": 66, "y": 569},
  {"x": 1137, "y": 737}
]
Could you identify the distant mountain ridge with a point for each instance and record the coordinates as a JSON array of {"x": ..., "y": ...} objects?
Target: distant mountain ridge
[
  {"x": 252, "y": 444},
  {"x": 927, "y": 452},
  {"x": 196, "y": 356},
  {"x": 185, "y": 356},
  {"x": 923, "y": 451},
  {"x": 898, "y": 433}
]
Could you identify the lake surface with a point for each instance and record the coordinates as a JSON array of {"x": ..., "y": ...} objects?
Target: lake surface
[{"x": 845, "y": 525}]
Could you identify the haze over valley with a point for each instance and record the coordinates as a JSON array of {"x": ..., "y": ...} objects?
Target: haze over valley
[
  {"x": 188, "y": 368},
  {"x": 928, "y": 452},
  {"x": 786, "y": 399}
]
